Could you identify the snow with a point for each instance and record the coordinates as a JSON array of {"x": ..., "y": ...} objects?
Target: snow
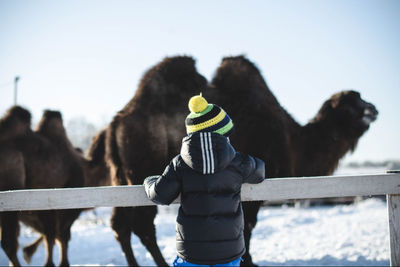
[
  {"x": 345, "y": 235},
  {"x": 338, "y": 235}
]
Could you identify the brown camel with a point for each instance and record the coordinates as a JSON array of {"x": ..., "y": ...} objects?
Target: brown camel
[
  {"x": 16, "y": 123},
  {"x": 143, "y": 137},
  {"x": 96, "y": 174},
  {"x": 147, "y": 133},
  {"x": 264, "y": 129},
  {"x": 47, "y": 160}
]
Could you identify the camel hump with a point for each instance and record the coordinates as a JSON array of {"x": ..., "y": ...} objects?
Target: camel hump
[
  {"x": 16, "y": 121},
  {"x": 169, "y": 84},
  {"x": 20, "y": 113},
  {"x": 238, "y": 75},
  {"x": 51, "y": 123},
  {"x": 52, "y": 114},
  {"x": 168, "y": 70},
  {"x": 238, "y": 83},
  {"x": 51, "y": 126},
  {"x": 170, "y": 65},
  {"x": 240, "y": 65}
]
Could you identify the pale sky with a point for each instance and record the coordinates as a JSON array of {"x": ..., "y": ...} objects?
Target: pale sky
[{"x": 85, "y": 58}]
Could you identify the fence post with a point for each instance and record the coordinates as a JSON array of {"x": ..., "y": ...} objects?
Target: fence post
[{"x": 393, "y": 202}]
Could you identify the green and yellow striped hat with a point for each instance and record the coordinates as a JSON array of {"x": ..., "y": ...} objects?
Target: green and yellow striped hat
[{"x": 206, "y": 117}]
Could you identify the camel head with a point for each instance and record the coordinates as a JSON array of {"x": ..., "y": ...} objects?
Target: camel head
[
  {"x": 16, "y": 122},
  {"x": 348, "y": 110}
]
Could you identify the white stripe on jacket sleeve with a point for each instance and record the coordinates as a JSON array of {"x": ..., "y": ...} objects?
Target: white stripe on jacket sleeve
[
  {"x": 202, "y": 153},
  {"x": 211, "y": 152},
  {"x": 207, "y": 152}
]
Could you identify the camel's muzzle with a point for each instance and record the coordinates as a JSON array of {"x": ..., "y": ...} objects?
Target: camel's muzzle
[{"x": 370, "y": 113}]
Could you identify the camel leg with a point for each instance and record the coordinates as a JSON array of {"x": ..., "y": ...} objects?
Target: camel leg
[
  {"x": 9, "y": 236},
  {"x": 49, "y": 243},
  {"x": 63, "y": 245},
  {"x": 47, "y": 219},
  {"x": 120, "y": 225},
  {"x": 146, "y": 231},
  {"x": 250, "y": 210},
  {"x": 65, "y": 220},
  {"x": 31, "y": 249}
]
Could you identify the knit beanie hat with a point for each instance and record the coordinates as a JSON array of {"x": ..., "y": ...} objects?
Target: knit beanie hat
[{"x": 205, "y": 117}]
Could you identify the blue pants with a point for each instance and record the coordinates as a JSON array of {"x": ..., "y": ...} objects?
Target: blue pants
[{"x": 180, "y": 262}]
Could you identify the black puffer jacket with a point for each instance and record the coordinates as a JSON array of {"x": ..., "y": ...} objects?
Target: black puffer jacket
[{"x": 208, "y": 175}]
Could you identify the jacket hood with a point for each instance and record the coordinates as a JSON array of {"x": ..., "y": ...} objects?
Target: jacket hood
[{"x": 207, "y": 152}]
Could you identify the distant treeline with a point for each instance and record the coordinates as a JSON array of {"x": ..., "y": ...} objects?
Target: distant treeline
[
  {"x": 80, "y": 131},
  {"x": 389, "y": 164}
]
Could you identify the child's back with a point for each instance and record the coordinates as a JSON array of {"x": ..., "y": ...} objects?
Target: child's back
[{"x": 208, "y": 175}]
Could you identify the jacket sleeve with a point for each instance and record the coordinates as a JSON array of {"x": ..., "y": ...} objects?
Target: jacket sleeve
[
  {"x": 253, "y": 169},
  {"x": 165, "y": 188}
]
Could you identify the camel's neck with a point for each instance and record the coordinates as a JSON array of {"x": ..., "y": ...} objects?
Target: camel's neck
[
  {"x": 96, "y": 174},
  {"x": 321, "y": 146}
]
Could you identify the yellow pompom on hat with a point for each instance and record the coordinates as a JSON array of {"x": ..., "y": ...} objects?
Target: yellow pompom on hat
[
  {"x": 205, "y": 117},
  {"x": 197, "y": 103}
]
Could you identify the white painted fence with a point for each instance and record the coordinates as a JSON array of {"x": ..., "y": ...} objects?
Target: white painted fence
[{"x": 270, "y": 190}]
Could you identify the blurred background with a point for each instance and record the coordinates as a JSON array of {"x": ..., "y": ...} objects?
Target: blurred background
[{"x": 86, "y": 58}]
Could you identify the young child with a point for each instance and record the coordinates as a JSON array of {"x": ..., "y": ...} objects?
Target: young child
[{"x": 208, "y": 175}]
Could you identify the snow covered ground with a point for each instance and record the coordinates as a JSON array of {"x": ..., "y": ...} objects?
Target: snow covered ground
[{"x": 343, "y": 235}]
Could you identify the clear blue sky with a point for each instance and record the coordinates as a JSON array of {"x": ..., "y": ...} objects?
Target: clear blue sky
[{"x": 85, "y": 58}]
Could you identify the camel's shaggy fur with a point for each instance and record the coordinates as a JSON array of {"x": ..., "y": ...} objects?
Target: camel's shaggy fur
[
  {"x": 147, "y": 133},
  {"x": 263, "y": 128},
  {"x": 143, "y": 137},
  {"x": 44, "y": 158}
]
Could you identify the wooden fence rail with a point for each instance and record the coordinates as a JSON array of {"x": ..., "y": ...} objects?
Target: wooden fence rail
[{"x": 269, "y": 190}]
